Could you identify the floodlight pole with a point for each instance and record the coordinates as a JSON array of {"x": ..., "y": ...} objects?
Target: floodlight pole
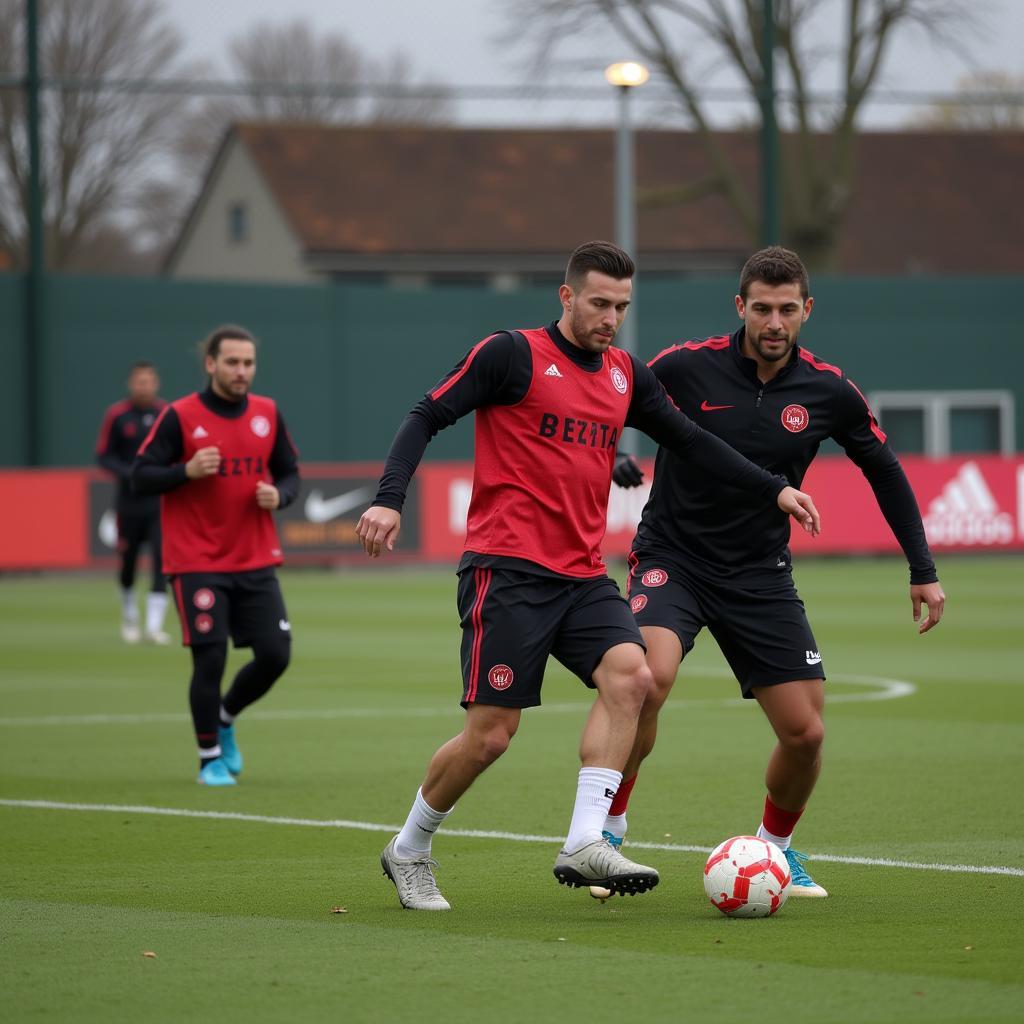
[
  {"x": 625, "y": 78},
  {"x": 625, "y": 207}
]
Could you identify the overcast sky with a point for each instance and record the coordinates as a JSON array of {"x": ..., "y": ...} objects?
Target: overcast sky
[{"x": 456, "y": 42}]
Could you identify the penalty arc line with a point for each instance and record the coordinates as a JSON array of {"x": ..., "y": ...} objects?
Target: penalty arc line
[{"x": 516, "y": 837}]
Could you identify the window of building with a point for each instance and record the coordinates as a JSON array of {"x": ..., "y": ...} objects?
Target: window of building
[
  {"x": 941, "y": 423},
  {"x": 238, "y": 223}
]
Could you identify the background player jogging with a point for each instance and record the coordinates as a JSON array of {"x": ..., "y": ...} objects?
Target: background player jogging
[
  {"x": 125, "y": 425},
  {"x": 223, "y": 461},
  {"x": 703, "y": 556},
  {"x": 550, "y": 407}
]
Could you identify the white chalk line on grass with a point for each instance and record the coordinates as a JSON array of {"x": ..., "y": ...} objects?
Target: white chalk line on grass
[
  {"x": 883, "y": 689},
  {"x": 468, "y": 833}
]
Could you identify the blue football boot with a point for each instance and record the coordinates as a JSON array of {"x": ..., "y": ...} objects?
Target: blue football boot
[
  {"x": 215, "y": 773},
  {"x": 803, "y": 884},
  {"x": 229, "y": 752}
]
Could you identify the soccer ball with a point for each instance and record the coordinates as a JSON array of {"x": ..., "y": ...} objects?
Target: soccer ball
[{"x": 747, "y": 877}]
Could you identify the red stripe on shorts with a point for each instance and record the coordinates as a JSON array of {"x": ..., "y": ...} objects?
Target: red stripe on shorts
[
  {"x": 179, "y": 600},
  {"x": 482, "y": 579}
]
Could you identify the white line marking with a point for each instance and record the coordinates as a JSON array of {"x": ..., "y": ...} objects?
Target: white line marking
[
  {"x": 885, "y": 689},
  {"x": 468, "y": 833}
]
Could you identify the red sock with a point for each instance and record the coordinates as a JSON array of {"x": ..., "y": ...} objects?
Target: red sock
[
  {"x": 621, "y": 800},
  {"x": 777, "y": 821}
]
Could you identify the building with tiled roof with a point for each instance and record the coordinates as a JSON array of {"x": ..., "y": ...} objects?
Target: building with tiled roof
[{"x": 306, "y": 203}]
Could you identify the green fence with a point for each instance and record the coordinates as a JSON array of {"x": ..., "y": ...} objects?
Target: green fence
[{"x": 346, "y": 362}]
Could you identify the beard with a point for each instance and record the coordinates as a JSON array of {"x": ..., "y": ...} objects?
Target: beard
[
  {"x": 588, "y": 338},
  {"x": 773, "y": 355}
]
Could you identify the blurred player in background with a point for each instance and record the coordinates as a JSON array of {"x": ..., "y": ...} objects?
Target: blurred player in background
[
  {"x": 704, "y": 557},
  {"x": 223, "y": 461},
  {"x": 550, "y": 406},
  {"x": 125, "y": 425}
]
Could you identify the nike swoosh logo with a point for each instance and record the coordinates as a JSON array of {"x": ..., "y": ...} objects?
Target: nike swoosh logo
[
  {"x": 319, "y": 509},
  {"x": 704, "y": 407}
]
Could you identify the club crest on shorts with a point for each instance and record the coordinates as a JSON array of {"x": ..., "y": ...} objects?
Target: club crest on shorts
[
  {"x": 619, "y": 381},
  {"x": 795, "y": 418},
  {"x": 500, "y": 677},
  {"x": 639, "y": 603},
  {"x": 204, "y": 623},
  {"x": 654, "y": 578},
  {"x": 203, "y": 599},
  {"x": 260, "y": 426}
]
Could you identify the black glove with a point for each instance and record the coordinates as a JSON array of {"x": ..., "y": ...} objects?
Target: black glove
[{"x": 627, "y": 471}]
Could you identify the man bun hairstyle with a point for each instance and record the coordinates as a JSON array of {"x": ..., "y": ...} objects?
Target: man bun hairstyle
[
  {"x": 211, "y": 345},
  {"x": 774, "y": 265},
  {"x": 604, "y": 257}
]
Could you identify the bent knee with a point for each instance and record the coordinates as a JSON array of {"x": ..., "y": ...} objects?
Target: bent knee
[
  {"x": 487, "y": 747},
  {"x": 807, "y": 741},
  {"x": 274, "y": 659},
  {"x": 629, "y": 687}
]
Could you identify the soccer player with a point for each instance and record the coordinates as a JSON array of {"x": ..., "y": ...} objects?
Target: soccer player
[
  {"x": 124, "y": 426},
  {"x": 550, "y": 407},
  {"x": 223, "y": 461},
  {"x": 703, "y": 557}
]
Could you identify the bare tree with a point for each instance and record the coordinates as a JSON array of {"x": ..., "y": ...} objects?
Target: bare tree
[
  {"x": 97, "y": 143},
  {"x": 986, "y": 101},
  {"x": 683, "y": 41},
  {"x": 287, "y": 73}
]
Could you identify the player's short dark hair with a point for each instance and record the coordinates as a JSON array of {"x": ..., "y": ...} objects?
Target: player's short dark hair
[
  {"x": 774, "y": 265},
  {"x": 141, "y": 364},
  {"x": 211, "y": 345},
  {"x": 604, "y": 257}
]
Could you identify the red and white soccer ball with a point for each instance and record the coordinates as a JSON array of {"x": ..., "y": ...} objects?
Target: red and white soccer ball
[{"x": 747, "y": 877}]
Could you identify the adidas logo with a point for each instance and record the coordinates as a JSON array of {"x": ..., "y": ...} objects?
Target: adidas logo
[
  {"x": 812, "y": 657},
  {"x": 552, "y": 371},
  {"x": 966, "y": 512},
  {"x": 200, "y": 432}
]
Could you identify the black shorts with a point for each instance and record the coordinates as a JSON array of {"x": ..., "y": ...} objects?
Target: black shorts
[
  {"x": 136, "y": 528},
  {"x": 512, "y": 621},
  {"x": 759, "y": 622},
  {"x": 243, "y": 605}
]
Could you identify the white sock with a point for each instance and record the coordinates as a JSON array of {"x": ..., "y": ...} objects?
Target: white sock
[
  {"x": 156, "y": 607},
  {"x": 129, "y": 610},
  {"x": 419, "y": 828},
  {"x": 594, "y": 794},
  {"x": 225, "y": 718},
  {"x": 782, "y": 842},
  {"x": 616, "y": 824}
]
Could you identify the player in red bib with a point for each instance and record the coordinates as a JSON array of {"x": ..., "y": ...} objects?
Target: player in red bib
[
  {"x": 222, "y": 461},
  {"x": 550, "y": 406},
  {"x": 700, "y": 558}
]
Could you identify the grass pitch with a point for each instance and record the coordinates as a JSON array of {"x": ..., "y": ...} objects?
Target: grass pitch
[{"x": 916, "y": 828}]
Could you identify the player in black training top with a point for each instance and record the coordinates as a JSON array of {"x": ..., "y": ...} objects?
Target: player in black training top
[
  {"x": 125, "y": 424},
  {"x": 703, "y": 556}
]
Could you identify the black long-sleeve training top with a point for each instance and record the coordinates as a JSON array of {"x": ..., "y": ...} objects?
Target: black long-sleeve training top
[{"x": 779, "y": 426}]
